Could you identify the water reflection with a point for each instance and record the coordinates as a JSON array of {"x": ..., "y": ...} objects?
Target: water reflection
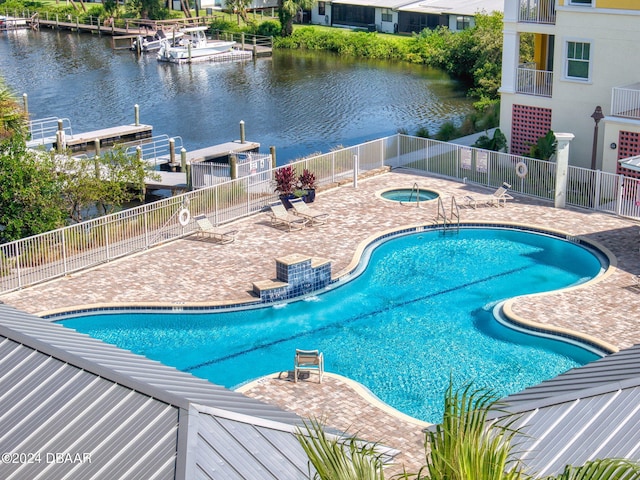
[{"x": 300, "y": 102}]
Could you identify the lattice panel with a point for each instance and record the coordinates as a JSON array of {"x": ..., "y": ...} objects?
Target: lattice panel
[
  {"x": 628, "y": 146},
  {"x": 527, "y": 125}
]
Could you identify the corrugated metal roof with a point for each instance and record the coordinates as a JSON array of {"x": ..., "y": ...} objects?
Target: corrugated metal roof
[
  {"x": 621, "y": 366},
  {"x": 90, "y": 410},
  {"x": 237, "y": 447},
  {"x": 586, "y": 413}
]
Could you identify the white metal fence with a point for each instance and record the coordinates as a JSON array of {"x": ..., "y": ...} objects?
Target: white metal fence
[{"x": 76, "y": 247}]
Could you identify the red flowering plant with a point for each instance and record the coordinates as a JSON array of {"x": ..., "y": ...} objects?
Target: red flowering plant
[{"x": 285, "y": 178}]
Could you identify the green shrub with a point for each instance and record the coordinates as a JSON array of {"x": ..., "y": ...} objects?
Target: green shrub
[
  {"x": 447, "y": 131},
  {"x": 224, "y": 25},
  {"x": 269, "y": 28},
  {"x": 421, "y": 132}
]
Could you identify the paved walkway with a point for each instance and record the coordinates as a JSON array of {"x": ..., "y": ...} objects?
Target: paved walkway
[{"x": 192, "y": 271}]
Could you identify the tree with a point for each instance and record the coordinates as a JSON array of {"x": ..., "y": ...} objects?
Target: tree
[
  {"x": 105, "y": 182},
  {"x": 13, "y": 120},
  {"x": 287, "y": 10},
  {"x": 465, "y": 446},
  {"x": 29, "y": 190},
  {"x": 146, "y": 9},
  {"x": 240, "y": 7}
]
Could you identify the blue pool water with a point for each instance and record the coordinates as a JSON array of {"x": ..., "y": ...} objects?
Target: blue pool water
[
  {"x": 419, "y": 314},
  {"x": 409, "y": 195}
]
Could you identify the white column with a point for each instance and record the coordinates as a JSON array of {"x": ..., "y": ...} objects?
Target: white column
[
  {"x": 510, "y": 58},
  {"x": 562, "y": 167},
  {"x": 511, "y": 9}
]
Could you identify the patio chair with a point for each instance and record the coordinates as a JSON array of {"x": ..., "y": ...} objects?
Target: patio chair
[
  {"x": 280, "y": 217},
  {"x": 497, "y": 198},
  {"x": 314, "y": 216},
  {"x": 205, "y": 229},
  {"x": 308, "y": 361}
]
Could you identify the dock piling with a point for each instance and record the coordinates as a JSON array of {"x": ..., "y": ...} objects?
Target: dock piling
[
  {"x": 136, "y": 114},
  {"x": 242, "y": 138},
  {"x": 172, "y": 154},
  {"x": 233, "y": 164},
  {"x": 272, "y": 151}
]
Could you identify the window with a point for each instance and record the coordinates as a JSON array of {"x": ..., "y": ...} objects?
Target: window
[
  {"x": 321, "y": 8},
  {"x": 462, "y": 23},
  {"x": 581, "y": 2},
  {"x": 578, "y": 54},
  {"x": 387, "y": 15}
]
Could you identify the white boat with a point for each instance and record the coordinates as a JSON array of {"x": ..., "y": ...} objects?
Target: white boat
[
  {"x": 193, "y": 45},
  {"x": 10, "y": 23},
  {"x": 153, "y": 42}
]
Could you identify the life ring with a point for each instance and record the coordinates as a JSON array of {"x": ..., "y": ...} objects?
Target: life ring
[
  {"x": 184, "y": 216},
  {"x": 521, "y": 169}
]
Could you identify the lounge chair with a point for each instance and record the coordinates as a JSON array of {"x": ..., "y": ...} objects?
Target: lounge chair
[
  {"x": 280, "y": 217},
  {"x": 497, "y": 198},
  {"x": 205, "y": 229},
  {"x": 303, "y": 210},
  {"x": 308, "y": 361}
]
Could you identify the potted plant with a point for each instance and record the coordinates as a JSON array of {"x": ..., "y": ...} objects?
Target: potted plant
[
  {"x": 285, "y": 178},
  {"x": 307, "y": 182}
]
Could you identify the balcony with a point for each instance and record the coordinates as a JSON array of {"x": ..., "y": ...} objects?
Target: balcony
[
  {"x": 625, "y": 101},
  {"x": 537, "y": 11},
  {"x": 530, "y": 81}
]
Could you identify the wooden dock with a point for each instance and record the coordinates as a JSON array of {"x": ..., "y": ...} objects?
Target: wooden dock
[
  {"x": 107, "y": 137},
  {"x": 257, "y": 45},
  {"x": 177, "y": 181},
  {"x": 221, "y": 152}
]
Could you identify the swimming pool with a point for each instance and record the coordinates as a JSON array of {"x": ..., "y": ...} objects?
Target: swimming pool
[{"x": 418, "y": 314}]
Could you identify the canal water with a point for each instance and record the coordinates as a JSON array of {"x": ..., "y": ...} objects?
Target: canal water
[{"x": 299, "y": 102}]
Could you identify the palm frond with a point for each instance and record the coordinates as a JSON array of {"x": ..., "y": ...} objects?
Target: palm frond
[
  {"x": 339, "y": 458},
  {"x": 465, "y": 445},
  {"x": 601, "y": 469}
]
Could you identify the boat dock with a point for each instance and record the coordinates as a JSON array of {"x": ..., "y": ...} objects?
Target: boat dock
[
  {"x": 128, "y": 31},
  {"x": 220, "y": 153},
  {"x": 106, "y": 137}
]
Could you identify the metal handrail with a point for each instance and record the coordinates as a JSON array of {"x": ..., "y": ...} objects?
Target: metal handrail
[
  {"x": 441, "y": 214},
  {"x": 455, "y": 212}
]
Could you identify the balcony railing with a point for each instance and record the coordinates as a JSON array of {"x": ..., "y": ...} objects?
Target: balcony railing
[
  {"x": 538, "y": 11},
  {"x": 530, "y": 81},
  {"x": 625, "y": 101}
]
